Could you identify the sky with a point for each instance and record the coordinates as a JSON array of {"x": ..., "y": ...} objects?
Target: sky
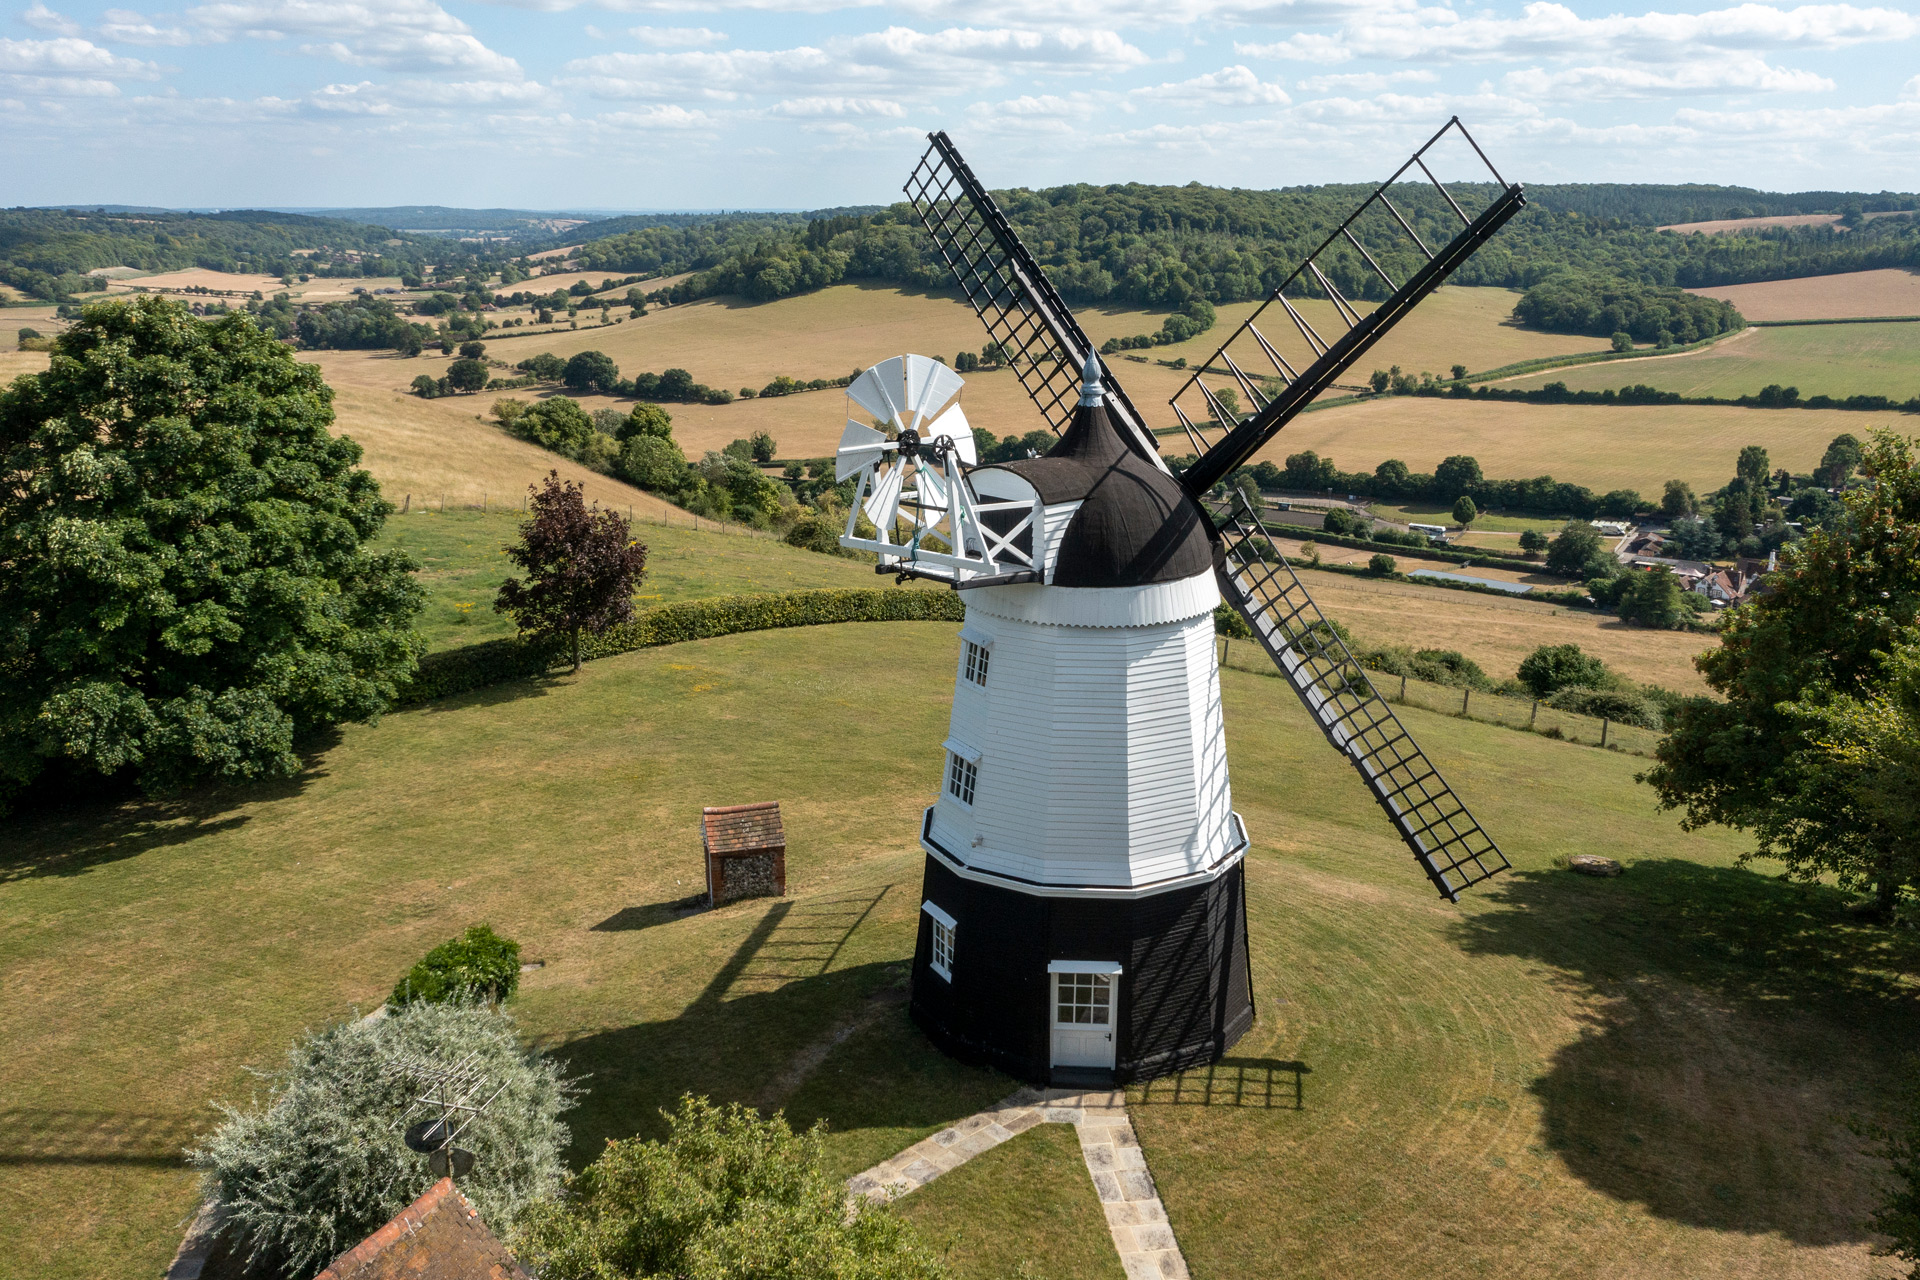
[{"x": 800, "y": 104}]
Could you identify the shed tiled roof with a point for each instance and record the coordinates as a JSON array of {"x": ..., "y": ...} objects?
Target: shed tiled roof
[
  {"x": 741, "y": 828},
  {"x": 437, "y": 1237}
]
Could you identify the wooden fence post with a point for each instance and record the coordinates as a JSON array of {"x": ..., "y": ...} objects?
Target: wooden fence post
[
  {"x": 1604, "y": 722},
  {"x": 1403, "y": 686},
  {"x": 1465, "y": 696},
  {"x": 1535, "y": 717}
]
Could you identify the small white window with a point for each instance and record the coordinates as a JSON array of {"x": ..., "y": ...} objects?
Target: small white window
[
  {"x": 977, "y": 656},
  {"x": 943, "y": 928},
  {"x": 962, "y": 775}
]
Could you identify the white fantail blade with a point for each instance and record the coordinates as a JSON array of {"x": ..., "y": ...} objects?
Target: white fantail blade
[
  {"x": 860, "y": 446},
  {"x": 932, "y": 486},
  {"x": 953, "y": 424},
  {"x": 883, "y": 505},
  {"x": 871, "y": 391},
  {"x": 930, "y": 385}
]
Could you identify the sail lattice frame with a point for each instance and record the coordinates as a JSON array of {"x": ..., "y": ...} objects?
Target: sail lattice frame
[
  {"x": 1446, "y": 839},
  {"x": 1254, "y": 365},
  {"x": 1016, "y": 302}
]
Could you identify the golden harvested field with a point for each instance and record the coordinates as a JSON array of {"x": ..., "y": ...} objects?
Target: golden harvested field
[
  {"x": 732, "y": 343},
  {"x": 1820, "y": 359},
  {"x": 1890, "y": 292},
  {"x": 195, "y": 278},
  {"x": 14, "y": 319},
  {"x": 1720, "y": 225},
  {"x": 1602, "y": 448},
  {"x": 432, "y": 447},
  {"x": 14, "y": 363},
  {"x": 1498, "y": 633}
]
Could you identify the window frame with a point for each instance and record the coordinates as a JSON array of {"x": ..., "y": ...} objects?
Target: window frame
[
  {"x": 972, "y": 641},
  {"x": 963, "y": 768},
  {"x": 943, "y": 924}
]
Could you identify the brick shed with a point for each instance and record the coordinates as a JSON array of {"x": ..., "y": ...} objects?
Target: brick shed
[
  {"x": 746, "y": 851},
  {"x": 437, "y": 1237}
]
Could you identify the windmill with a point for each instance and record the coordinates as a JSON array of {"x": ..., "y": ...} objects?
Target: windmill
[{"x": 1083, "y": 906}]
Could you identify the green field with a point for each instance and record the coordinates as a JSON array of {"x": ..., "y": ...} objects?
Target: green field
[
  {"x": 1822, "y": 360},
  {"x": 1639, "y": 1077},
  {"x": 462, "y": 563},
  {"x": 1485, "y": 522}
]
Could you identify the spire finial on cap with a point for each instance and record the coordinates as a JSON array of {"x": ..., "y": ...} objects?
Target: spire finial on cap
[{"x": 1091, "y": 392}]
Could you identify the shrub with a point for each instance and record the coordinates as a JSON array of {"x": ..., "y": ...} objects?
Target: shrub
[
  {"x": 1382, "y": 564},
  {"x": 320, "y": 1164},
  {"x": 477, "y": 965},
  {"x": 1228, "y": 622},
  {"x": 1464, "y": 511},
  {"x": 818, "y": 533},
  {"x": 727, "y": 1194},
  {"x": 1345, "y": 524},
  {"x": 1616, "y": 705},
  {"x": 559, "y": 424},
  {"x": 1532, "y": 541},
  {"x": 1622, "y": 342},
  {"x": 654, "y": 463},
  {"x": 1553, "y": 667}
]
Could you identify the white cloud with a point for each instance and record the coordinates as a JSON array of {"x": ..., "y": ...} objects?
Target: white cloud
[
  {"x": 658, "y": 117},
  {"x": 41, "y": 18},
  {"x": 60, "y": 86},
  {"x": 1733, "y": 75},
  {"x": 1910, "y": 92},
  {"x": 1228, "y": 87},
  {"x": 677, "y": 37},
  {"x": 1547, "y": 30},
  {"x": 898, "y": 59},
  {"x": 815, "y": 107},
  {"x": 410, "y": 34},
  {"x": 1365, "y": 81},
  {"x": 123, "y": 26},
  {"x": 67, "y": 56},
  {"x": 369, "y": 98}
]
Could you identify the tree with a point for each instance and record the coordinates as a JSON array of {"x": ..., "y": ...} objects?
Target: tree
[
  {"x": 1532, "y": 541},
  {"x": 655, "y": 463},
  {"x": 1840, "y": 461},
  {"x": 966, "y": 362},
  {"x": 582, "y": 567},
  {"x": 426, "y": 386},
  {"x": 1620, "y": 504},
  {"x": 321, "y": 1163},
  {"x": 473, "y": 350},
  {"x": 188, "y": 585},
  {"x": 467, "y": 375},
  {"x": 1553, "y": 667},
  {"x": 590, "y": 371},
  {"x": 1455, "y": 475},
  {"x": 1382, "y": 565},
  {"x": 762, "y": 447},
  {"x": 1622, "y": 341},
  {"x": 1459, "y": 372},
  {"x": 546, "y": 366},
  {"x": 676, "y": 384},
  {"x": 559, "y": 424},
  {"x": 1762, "y": 758},
  {"x": 1653, "y": 598},
  {"x": 1754, "y": 468},
  {"x": 646, "y": 420},
  {"x": 1575, "y": 550},
  {"x": 728, "y": 1193},
  {"x": 1464, "y": 512},
  {"x": 1692, "y": 538},
  {"x": 1677, "y": 500}
]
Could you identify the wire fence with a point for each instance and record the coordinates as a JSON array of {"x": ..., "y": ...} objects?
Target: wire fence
[{"x": 1529, "y": 715}]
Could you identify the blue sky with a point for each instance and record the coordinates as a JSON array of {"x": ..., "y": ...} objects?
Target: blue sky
[{"x": 652, "y": 104}]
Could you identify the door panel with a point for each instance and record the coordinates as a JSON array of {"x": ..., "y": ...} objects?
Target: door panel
[{"x": 1083, "y": 1020}]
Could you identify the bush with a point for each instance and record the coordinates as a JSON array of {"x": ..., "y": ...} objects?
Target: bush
[
  {"x": 1553, "y": 667},
  {"x": 477, "y": 965},
  {"x": 1464, "y": 511},
  {"x": 654, "y": 463},
  {"x": 320, "y": 1164},
  {"x": 559, "y": 424},
  {"x": 1616, "y": 705},
  {"x": 1228, "y": 622},
  {"x": 1346, "y": 524},
  {"x": 491, "y": 662},
  {"x": 1382, "y": 564},
  {"x": 1532, "y": 541},
  {"x": 647, "y": 420},
  {"x": 727, "y": 1194},
  {"x": 818, "y": 533}
]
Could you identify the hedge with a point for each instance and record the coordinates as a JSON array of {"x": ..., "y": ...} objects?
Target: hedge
[{"x": 476, "y": 666}]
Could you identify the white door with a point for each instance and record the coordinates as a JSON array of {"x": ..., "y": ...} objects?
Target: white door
[{"x": 1083, "y": 1019}]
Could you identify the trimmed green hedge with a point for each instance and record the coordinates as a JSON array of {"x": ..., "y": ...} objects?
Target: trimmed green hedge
[{"x": 476, "y": 666}]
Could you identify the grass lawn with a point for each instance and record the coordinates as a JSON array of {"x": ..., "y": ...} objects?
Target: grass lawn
[
  {"x": 462, "y": 565},
  {"x": 1485, "y": 522},
  {"x": 1639, "y": 1077},
  {"x": 1820, "y": 359},
  {"x": 1036, "y": 1192}
]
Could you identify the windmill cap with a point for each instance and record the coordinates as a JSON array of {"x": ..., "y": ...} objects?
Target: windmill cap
[{"x": 1091, "y": 391}]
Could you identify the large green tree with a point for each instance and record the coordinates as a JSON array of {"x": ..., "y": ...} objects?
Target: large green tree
[
  {"x": 186, "y": 585},
  {"x": 1806, "y": 671}
]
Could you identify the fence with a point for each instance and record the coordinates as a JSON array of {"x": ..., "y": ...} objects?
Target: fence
[{"x": 1526, "y": 714}]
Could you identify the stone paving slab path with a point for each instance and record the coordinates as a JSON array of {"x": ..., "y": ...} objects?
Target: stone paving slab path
[{"x": 1136, "y": 1219}]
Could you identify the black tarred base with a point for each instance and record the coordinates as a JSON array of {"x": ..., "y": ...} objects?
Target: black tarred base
[{"x": 1184, "y": 994}]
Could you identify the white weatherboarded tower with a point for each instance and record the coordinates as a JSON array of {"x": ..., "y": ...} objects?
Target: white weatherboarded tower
[{"x": 1083, "y": 910}]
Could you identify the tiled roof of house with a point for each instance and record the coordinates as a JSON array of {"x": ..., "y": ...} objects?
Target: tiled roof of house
[
  {"x": 742, "y": 828},
  {"x": 437, "y": 1237}
]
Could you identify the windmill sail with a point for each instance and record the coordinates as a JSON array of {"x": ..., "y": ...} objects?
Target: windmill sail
[
  {"x": 1446, "y": 840},
  {"x": 1377, "y": 250},
  {"x": 1012, "y": 296}
]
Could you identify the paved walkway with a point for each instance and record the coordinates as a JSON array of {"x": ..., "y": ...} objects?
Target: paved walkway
[{"x": 1135, "y": 1217}]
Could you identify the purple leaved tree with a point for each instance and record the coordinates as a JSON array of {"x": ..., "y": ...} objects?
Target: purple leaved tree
[{"x": 582, "y": 566}]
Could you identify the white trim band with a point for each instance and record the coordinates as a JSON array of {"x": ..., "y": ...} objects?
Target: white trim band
[
  {"x": 939, "y": 915},
  {"x": 1109, "y": 968},
  {"x": 1148, "y": 606}
]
